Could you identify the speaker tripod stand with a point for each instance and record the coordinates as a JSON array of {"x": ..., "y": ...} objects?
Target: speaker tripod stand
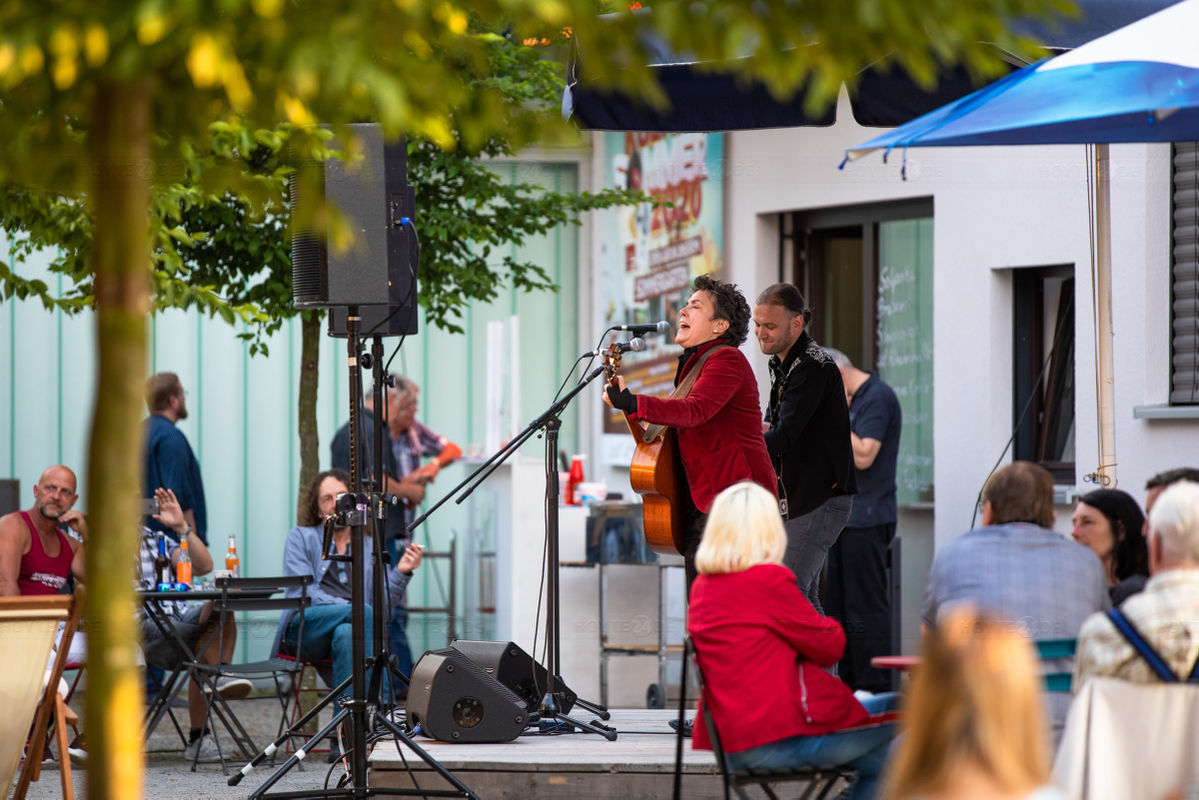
[
  {"x": 554, "y": 703},
  {"x": 356, "y": 510}
]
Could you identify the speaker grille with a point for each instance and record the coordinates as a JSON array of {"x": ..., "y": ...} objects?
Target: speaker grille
[
  {"x": 307, "y": 253},
  {"x": 455, "y": 700}
]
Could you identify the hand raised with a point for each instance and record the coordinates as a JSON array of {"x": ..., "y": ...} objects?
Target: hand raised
[{"x": 411, "y": 558}]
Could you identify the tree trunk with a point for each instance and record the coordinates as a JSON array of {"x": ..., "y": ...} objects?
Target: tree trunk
[
  {"x": 310, "y": 357},
  {"x": 119, "y": 194}
]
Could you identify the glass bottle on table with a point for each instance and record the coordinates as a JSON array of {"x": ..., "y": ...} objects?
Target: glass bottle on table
[
  {"x": 162, "y": 565},
  {"x": 183, "y": 567},
  {"x": 232, "y": 561}
]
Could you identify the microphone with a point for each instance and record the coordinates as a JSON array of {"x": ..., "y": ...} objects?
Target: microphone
[
  {"x": 636, "y": 345},
  {"x": 637, "y": 330}
]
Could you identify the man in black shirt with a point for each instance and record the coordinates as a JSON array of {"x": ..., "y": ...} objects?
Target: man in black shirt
[
  {"x": 807, "y": 435},
  {"x": 856, "y": 585}
]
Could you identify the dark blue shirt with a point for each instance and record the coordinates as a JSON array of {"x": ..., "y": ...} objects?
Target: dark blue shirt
[
  {"x": 875, "y": 414},
  {"x": 171, "y": 464}
]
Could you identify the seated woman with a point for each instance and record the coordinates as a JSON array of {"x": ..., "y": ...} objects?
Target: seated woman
[
  {"x": 1109, "y": 522},
  {"x": 327, "y": 623},
  {"x": 763, "y": 650},
  {"x": 975, "y": 723}
]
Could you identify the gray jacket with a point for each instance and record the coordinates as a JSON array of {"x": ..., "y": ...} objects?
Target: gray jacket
[{"x": 302, "y": 556}]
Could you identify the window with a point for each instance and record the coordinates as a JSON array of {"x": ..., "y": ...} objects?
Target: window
[
  {"x": 1043, "y": 368},
  {"x": 1184, "y": 285},
  {"x": 867, "y": 274}
]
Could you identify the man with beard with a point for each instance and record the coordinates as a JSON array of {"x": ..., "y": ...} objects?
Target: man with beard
[
  {"x": 170, "y": 462},
  {"x": 807, "y": 435},
  {"x": 41, "y": 547}
]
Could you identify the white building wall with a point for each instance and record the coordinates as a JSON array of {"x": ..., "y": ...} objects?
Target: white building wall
[{"x": 995, "y": 209}]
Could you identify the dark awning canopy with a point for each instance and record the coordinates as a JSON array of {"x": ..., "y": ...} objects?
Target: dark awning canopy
[{"x": 706, "y": 101}]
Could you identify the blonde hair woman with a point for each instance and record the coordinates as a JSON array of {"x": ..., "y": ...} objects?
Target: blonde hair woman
[
  {"x": 975, "y": 723},
  {"x": 763, "y": 648}
]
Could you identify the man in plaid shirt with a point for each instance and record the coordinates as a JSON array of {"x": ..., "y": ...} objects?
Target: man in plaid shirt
[{"x": 192, "y": 621}]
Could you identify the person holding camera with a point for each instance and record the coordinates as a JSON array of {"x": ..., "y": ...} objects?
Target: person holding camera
[
  {"x": 327, "y": 632},
  {"x": 408, "y": 441}
]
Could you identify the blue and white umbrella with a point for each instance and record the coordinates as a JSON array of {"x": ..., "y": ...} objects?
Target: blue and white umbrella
[{"x": 1139, "y": 83}]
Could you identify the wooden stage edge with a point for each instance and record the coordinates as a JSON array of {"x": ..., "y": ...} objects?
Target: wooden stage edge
[{"x": 639, "y": 764}]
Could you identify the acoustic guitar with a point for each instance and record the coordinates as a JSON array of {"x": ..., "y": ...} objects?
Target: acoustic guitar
[{"x": 656, "y": 473}]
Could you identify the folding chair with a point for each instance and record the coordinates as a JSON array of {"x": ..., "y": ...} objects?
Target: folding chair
[
  {"x": 1050, "y": 650},
  {"x": 819, "y": 781},
  {"x": 316, "y": 670},
  {"x": 28, "y": 626},
  {"x": 249, "y": 594}
]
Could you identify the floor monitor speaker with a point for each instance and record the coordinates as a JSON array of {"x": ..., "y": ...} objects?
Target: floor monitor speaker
[
  {"x": 455, "y": 700},
  {"x": 516, "y": 669}
]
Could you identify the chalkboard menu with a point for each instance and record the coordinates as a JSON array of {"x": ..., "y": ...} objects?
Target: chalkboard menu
[{"x": 905, "y": 346}]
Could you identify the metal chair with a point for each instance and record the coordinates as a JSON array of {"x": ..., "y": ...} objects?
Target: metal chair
[
  {"x": 1051, "y": 650},
  {"x": 819, "y": 781},
  {"x": 249, "y": 594},
  {"x": 317, "y": 669}
]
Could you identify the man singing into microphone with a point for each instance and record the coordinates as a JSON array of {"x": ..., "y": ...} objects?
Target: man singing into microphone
[{"x": 714, "y": 407}]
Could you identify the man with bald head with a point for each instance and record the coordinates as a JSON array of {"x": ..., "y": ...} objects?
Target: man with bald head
[{"x": 41, "y": 547}]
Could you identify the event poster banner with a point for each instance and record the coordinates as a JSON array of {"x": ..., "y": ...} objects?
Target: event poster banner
[{"x": 650, "y": 254}]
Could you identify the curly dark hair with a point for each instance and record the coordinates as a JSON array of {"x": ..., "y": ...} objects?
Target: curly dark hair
[
  {"x": 729, "y": 305},
  {"x": 310, "y": 510},
  {"x": 1130, "y": 553}
]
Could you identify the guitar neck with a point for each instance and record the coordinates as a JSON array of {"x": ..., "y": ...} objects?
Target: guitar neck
[{"x": 612, "y": 364}]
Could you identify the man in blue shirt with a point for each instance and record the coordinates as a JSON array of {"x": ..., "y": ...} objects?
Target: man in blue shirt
[
  {"x": 856, "y": 583},
  {"x": 169, "y": 460}
]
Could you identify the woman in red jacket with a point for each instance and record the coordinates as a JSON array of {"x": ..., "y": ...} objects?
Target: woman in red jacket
[
  {"x": 762, "y": 650},
  {"x": 719, "y": 421}
]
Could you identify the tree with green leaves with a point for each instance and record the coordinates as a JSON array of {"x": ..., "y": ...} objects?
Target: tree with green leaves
[{"x": 104, "y": 101}]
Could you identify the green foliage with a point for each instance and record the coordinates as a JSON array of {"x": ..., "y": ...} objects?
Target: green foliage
[
  {"x": 228, "y": 254},
  {"x": 821, "y": 43},
  {"x": 463, "y": 86}
]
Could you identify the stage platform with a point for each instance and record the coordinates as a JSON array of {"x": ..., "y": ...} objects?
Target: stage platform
[{"x": 639, "y": 764}]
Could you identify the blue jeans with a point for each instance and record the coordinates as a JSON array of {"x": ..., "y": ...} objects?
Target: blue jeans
[
  {"x": 863, "y": 750},
  {"x": 328, "y": 634},
  {"x": 808, "y": 539}
]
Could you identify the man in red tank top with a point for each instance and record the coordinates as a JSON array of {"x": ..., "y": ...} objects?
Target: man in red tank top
[{"x": 36, "y": 556}]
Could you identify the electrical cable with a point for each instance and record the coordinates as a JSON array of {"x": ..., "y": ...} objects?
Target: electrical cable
[{"x": 1033, "y": 392}]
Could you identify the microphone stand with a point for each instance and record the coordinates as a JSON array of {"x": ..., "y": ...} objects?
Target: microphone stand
[
  {"x": 362, "y": 710},
  {"x": 553, "y": 700}
]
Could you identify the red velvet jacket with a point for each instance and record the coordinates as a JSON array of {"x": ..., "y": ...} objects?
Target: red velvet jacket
[
  {"x": 761, "y": 646},
  {"x": 719, "y": 425}
]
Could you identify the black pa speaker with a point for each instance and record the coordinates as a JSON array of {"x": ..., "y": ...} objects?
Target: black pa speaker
[
  {"x": 454, "y": 700},
  {"x": 378, "y": 268},
  {"x": 516, "y": 669},
  {"x": 374, "y": 321}
]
